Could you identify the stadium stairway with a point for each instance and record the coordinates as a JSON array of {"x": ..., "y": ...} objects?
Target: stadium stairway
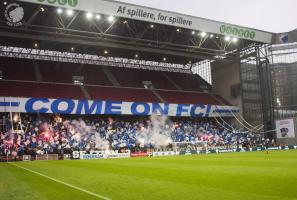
[
  {"x": 172, "y": 82},
  {"x": 111, "y": 78},
  {"x": 85, "y": 92},
  {"x": 14, "y": 88},
  {"x": 158, "y": 95},
  {"x": 37, "y": 72}
]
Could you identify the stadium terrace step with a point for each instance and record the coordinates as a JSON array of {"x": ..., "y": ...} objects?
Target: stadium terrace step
[{"x": 54, "y": 90}]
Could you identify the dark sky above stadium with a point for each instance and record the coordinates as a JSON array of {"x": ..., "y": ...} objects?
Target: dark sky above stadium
[{"x": 269, "y": 15}]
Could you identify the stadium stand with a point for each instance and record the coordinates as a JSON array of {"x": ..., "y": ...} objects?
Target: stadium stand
[
  {"x": 54, "y": 80},
  {"x": 135, "y": 78},
  {"x": 52, "y": 134},
  {"x": 121, "y": 94},
  {"x": 17, "y": 69},
  {"x": 39, "y": 90}
]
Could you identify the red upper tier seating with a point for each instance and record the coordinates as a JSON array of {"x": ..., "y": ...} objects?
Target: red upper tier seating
[
  {"x": 63, "y": 72},
  {"x": 188, "y": 82},
  {"x": 135, "y": 77},
  {"x": 16, "y": 69},
  {"x": 188, "y": 97},
  {"x": 57, "y": 83},
  {"x": 22, "y": 69},
  {"x": 39, "y": 90},
  {"x": 122, "y": 94},
  {"x": 47, "y": 90}
]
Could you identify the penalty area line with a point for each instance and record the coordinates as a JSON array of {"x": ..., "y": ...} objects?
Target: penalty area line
[{"x": 63, "y": 183}]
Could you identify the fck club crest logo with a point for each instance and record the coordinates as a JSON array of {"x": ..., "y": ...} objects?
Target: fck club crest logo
[{"x": 14, "y": 14}]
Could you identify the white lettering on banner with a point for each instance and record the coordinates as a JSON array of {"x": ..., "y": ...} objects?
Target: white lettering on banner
[
  {"x": 130, "y": 11},
  {"x": 84, "y": 155},
  {"x": 99, "y": 107},
  {"x": 165, "y": 153}
]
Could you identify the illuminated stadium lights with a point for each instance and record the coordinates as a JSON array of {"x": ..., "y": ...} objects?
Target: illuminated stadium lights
[
  {"x": 234, "y": 40},
  {"x": 105, "y": 52},
  {"x": 164, "y": 59},
  {"x": 193, "y": 32},
  {"x": 178, "y": 30},
  {"x": 152, "y": 26},
  {"x": 69, "y": 12},
  {"x": 110, "y": 19},
  {"x": 227, "y": 38},
  {"x": 136, "y": 55},
  {"x": 5, "y": 3},
  {"x": 59, "y": 10},
  {"x": 211, "y": 36},
  {"x": 35, "y": 45},
  {"x": 203, "y": 34},
  {"x": 98, "y": 17},
  {"x": 89, "y": 15},
  {"x": 71, "y": 57},
  {"x": 278, "y": 102},
  {"x": 72, "y": 48}
]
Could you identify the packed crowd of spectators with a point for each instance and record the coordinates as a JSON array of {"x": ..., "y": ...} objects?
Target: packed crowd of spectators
[{"x": 42, "y": 134}]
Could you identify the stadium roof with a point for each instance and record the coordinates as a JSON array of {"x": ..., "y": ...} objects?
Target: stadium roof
[{"x": 124, "y": 30}]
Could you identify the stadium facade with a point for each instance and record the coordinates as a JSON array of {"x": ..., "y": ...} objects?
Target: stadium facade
[{"x": 191, "y": 66}]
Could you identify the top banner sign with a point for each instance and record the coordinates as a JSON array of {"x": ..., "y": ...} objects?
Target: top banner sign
[{"x": 141, "y": 13}]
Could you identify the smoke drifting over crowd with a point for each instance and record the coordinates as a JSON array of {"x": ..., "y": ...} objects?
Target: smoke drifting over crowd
[
  {"x": 82, "y": 132},
  {"x": 157, "y": 132}
]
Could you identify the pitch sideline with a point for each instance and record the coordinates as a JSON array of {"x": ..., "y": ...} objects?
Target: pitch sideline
[{"x": 63, "y": 183}]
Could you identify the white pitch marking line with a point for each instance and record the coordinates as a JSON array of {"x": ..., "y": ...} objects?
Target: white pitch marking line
[{"x": 61, "y": 182}]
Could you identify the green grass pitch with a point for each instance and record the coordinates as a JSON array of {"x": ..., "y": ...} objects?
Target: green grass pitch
[{"x": 238, "y": 176}]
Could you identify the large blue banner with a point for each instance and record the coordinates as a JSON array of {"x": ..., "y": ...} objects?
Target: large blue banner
[{"x": 106, "y": 107}]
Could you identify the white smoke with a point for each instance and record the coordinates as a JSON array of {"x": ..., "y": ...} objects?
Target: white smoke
[
  {"x": 80, "y": 131},
  {"x": 157, "y": 133}
]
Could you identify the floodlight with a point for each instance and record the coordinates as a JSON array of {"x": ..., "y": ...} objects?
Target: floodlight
[
  {"x": 110, "y": 19},
  {"x": 59, "y": 10},
  {"x": 203, "y": 34},
  {"x": 69, "y": 12},
  {"x": 89, "y": 15},
  {"x": 227, "y": 38}
]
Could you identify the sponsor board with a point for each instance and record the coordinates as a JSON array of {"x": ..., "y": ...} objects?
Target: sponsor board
[
  {"x": 140, "y": 154},
  {"x": 86, "y": 155},
  {"x": 165, "y": 153},
  {"x": 141, "y": 13},
  {"x": 26, "y": 157},
  {"x": 225, "y": 150}
]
